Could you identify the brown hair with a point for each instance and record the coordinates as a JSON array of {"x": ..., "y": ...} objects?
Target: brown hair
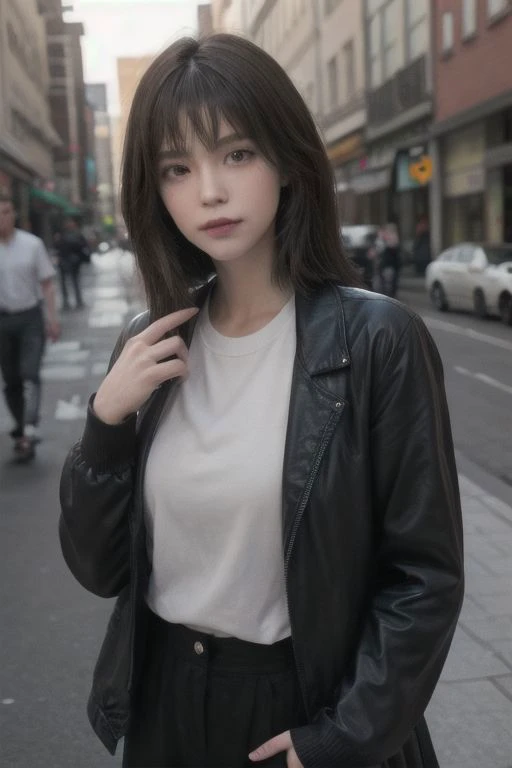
[{"x": 226, "y": 76}]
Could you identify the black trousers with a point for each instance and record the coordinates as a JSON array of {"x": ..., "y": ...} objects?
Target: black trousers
[
  {"x": 22, "y": 341},
  {"x": 70, "y": 272},
  {"x": 206, "y": 701}
]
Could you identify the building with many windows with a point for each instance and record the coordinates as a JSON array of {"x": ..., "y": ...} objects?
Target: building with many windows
[
  {"x": 397, "y": 168},
  {"x": 27, "y": 136},
  {"x": 473, "y": 119}
]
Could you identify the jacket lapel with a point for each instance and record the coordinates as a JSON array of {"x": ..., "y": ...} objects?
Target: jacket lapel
[{"x": 315, "y": 403}]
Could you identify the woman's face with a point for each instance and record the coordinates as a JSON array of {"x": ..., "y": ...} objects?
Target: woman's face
[{"x": 223, "y": 201}]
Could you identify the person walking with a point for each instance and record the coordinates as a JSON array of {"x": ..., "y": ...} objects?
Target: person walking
[
  {"x": 266, "y": 478},
  {"x": 389, "y": 260},
  {"x": 26, "y": 291},
  {"x": 72, "y": 250}
]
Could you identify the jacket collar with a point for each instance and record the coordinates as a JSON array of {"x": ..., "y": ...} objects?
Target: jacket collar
[{"x": 321, "y": 333}]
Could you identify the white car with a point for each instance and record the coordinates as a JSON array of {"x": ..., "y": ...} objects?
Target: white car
[{"x": 473, "y": 276}]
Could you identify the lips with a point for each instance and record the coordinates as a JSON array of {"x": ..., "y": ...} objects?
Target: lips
[{"x": 219, "y": 223}]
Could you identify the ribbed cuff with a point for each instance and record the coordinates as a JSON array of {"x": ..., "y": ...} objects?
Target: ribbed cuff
[
  {"x": 108, "y": 446},
  {"x": 308, "y": 742}
]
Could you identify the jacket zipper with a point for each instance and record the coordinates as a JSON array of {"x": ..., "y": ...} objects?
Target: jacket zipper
[{"x": 329, "y": 429}]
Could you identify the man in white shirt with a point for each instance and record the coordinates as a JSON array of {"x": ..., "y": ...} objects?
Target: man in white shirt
[{"x": 26, "y": 288}]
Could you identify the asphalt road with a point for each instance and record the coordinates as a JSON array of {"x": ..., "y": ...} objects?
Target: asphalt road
[
  {"x": 50, "y": 628},
  {"x": 477, "y": 359}
]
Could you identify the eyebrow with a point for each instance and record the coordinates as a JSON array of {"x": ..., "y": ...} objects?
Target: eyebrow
[{"x": 173, "y": 154}]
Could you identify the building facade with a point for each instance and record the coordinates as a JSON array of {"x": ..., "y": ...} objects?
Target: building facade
[
  {"x": 397, "y": 169},
  {"x": 27, "y": 137},
  {"x": 96, "y": 94},
  {"x": 129, "y": 73},
  {"x": 472, "y": 42}
]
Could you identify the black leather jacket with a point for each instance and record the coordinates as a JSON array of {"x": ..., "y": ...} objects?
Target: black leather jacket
[{"x": 372, "y": 533}]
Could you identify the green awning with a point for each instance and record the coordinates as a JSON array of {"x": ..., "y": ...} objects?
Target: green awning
[{"x": 53, "y": 199}]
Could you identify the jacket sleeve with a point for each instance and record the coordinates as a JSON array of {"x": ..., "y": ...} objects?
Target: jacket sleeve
[
  {"x": 418, "y": 585},
  {"x": 96, "y": 489}
]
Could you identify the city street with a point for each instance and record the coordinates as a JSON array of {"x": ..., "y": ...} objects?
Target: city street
[{"x": 52, "y": 628}]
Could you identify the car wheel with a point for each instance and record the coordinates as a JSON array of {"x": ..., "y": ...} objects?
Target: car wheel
[
  {"x": 438, "y": 297},
  {"x": 506, "y": 309},
  {"x": 479, "y": 304}
]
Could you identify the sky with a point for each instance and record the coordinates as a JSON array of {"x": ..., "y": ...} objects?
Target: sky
[{"x": 117, "y": 28}]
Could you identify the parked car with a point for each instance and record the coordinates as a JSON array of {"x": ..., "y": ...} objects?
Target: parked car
[{"x": 474, "y": 276}]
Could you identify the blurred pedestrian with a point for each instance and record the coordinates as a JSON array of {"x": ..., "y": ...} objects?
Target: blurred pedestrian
[
  {"x": 421, "y": 245},
  {"x": 72, "y": 251},
  {"x": 389, "y": 260},
  {"x": 271, "y": 492},
  {"x": 26, "y": 291}
]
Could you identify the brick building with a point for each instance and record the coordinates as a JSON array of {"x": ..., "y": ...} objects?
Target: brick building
[{"x": 472, "y": 42}]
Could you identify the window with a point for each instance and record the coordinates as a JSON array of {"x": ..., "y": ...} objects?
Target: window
[
  {"x": 332, "y": 73},
  {"x": 417, "y": 21},
  {"x": 330, "y": 6},
  {"x": 468, "y": 18},
  {"x": 348, "y": 66},
  {"x": 495, "y": 6},
  {"x": 375, "y": 52},
  {"x": 447, "y": 32},
  {"x": 391, "y": 32}
]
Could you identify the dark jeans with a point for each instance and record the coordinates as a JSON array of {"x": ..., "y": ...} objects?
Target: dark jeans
[
  {"x": 22, "y": 340},
  {"x": 70, "y": 272},
  {"x": 210, "y": 704}
]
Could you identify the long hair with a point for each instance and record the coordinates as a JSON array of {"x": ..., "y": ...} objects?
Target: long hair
[{"x": 227, "y": 77}]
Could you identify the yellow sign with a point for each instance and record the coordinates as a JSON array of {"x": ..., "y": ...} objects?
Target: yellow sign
[{"x": 421, "y": 170}]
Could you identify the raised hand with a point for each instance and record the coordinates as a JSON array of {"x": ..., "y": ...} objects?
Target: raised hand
[{"x": 142, "y": 366}]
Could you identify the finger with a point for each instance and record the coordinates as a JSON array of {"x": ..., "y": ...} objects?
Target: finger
[
  {"x": 163, "y": 325},
  {"x": 172, "y": 369},
  {"x": 272, "y": 747},
  {"x": 168, "y": 347}
]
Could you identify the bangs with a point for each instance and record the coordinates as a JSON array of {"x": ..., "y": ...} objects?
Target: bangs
[{"x": 197, "y": 99}]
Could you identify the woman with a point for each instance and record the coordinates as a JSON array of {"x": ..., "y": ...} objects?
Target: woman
[{"x": 271, "y": 493}]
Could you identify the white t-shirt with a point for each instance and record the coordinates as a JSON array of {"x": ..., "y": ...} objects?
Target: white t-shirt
[
  {"x": 213, "y": 485},
  {"x": 24, "y": 263}
]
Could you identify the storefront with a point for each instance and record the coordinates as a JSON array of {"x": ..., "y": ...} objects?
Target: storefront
[
  {"x": 410, "y": 180},
  {"x": 464, "y": 177},
  {"x": 344, "y": 156}
]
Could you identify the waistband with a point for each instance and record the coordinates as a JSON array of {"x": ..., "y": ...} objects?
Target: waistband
[
  {"x": 226, "y": 653},
  {"x": 30, "y": 310}
]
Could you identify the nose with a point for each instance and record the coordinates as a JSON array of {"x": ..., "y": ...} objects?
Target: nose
[{"x": 212, "y": 189}]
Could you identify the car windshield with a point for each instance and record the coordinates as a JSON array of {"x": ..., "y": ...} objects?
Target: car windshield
[{"x": 498, "y": 255}]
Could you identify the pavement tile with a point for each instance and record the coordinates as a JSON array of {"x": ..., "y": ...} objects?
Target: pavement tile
[
  {"x": 469, "y": 659},
  {"x": 505, "y": 683},
  {"x": 504, "y": 647},
  {"x": 491, "y": 628},
  {"x": 499, "y": 506},
  {"x": 471, "y": 725}
]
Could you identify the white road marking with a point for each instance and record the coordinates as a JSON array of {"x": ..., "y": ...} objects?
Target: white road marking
[
  {"x": 70, "y": 411},
  {"x": 443, "y": 325},
  {"x": 106, "y": 320},
  {"x": 484, "y": 378},
  {"x": 65, "y": 356},
  {"x": 493, "y": 382},
  {"x": 99, "y": 369},
  {"x": 7, "y": 701},
  {"x": 62, "y": 372}
]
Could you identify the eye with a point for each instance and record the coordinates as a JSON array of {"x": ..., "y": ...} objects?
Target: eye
[
  {"x": 240, "y": 155},
  {"x": 173, "y": 171}
]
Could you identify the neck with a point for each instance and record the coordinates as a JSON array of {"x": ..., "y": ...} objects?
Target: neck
[
  {"x": 245, "y": 298},
  {"x": 6, "y": 236}
]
